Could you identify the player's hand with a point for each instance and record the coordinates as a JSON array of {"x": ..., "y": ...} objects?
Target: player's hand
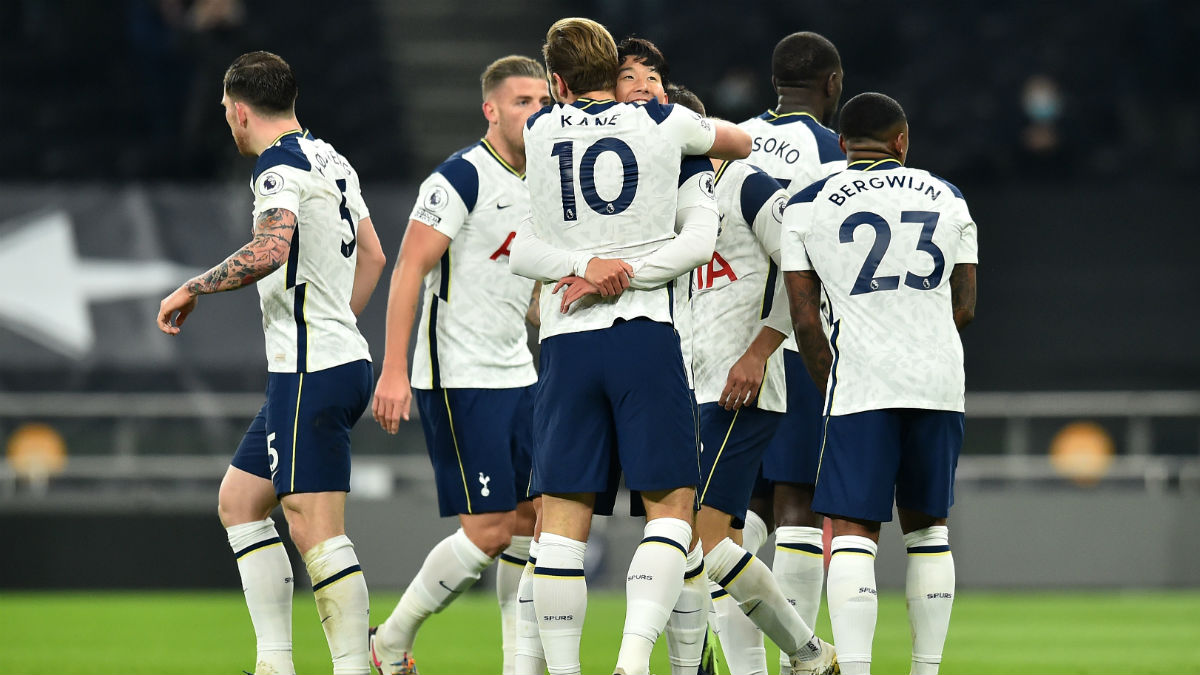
[
  {"x": 393, "y": 398},
  {"x": 577, "y": 287},
  {"x": 174, "y": 310},
  {"x": 742, "y": 385},
  {"x": 609, "y": 275}
]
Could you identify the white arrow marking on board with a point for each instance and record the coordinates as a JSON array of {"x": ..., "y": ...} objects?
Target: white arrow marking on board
[{"x": 47, "y": 287}]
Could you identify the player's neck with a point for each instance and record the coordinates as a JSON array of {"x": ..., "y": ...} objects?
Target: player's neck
[
  {"x": 794, "y": 100},
  {"x": 270, "y": 131},
  {"x": 514, "y": 157},
  {"x": 853, "y": 156}
]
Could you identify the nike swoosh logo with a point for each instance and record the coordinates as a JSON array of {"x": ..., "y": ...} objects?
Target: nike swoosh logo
[
  {"x": 524, "y": 601},
  {"x": 503, "y": 206},
  {"x": 446, "y": 587},
  {"x": 327, "y": 618},
  {"x": 679, "y": 612}
]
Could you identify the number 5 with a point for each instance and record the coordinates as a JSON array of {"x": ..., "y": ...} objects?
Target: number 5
[{"x": 272, "y": 453}]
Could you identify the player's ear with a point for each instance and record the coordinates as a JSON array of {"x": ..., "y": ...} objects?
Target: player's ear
[
  {"x": 831, "y": 84},
  {"x": 559, "y": 90},
  {"x": 489, "y": 112},
  {"x": 842, "y": 143},
  {"x": 242, "y": 111},
  {"x": 900, "y": 145}
]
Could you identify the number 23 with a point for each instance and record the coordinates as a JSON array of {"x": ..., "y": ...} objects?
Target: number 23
[{"x": 867, "y": 282}]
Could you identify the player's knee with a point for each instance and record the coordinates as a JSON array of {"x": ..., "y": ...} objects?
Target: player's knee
[
  {"x": 233, "y": 510},
  {"x": 492, "y": 540}
]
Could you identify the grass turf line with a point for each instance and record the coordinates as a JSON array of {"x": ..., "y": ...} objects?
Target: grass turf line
[{"x": 210, "y": 632}]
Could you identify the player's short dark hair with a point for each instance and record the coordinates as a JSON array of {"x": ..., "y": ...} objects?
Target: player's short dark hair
[
  {"x": 583, "y": 53},
  {"x": 871, "y": 115},
  {"x": 803, "y": 58},
  {"x": 685, "y": 97},
  {"x": 264, "y": 81},
  {"x": 647, "y": 53}
]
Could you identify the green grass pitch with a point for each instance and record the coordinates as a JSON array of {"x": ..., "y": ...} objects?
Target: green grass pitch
[{"x": 209, "y": 633}]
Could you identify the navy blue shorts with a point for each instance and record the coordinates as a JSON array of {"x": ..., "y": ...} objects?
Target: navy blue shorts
[
  {"x": 300, "y": 440},
  {"x": 873, "y": 458},
  {"x": 793, "y": 454},
  {"x": 613, "y": 398},
  {"x": 480, "y": 442},
  {"x": 637, "y": 508},
  {"x": 733, "y": 443}
]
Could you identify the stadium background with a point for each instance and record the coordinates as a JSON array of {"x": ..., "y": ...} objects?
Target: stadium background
[{"x": 1070, "y": 127}]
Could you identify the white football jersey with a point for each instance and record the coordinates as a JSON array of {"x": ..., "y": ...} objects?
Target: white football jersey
[
  {"x": 471, "y": 332},
  {"x": 305, "y": 303},
  {"x": 598, "y": 172},
  {"x": 884, "y": 239},
  {"x": 738, "y": 289},
  {"x": 796, "y": 150}
]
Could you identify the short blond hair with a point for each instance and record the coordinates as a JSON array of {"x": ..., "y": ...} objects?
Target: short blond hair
[
  {"x": 509, "y": 66},
  {"x": 583, "y": 53}
]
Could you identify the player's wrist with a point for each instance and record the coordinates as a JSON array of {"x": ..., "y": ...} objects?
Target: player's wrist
[{"x": 394, "y": 368}]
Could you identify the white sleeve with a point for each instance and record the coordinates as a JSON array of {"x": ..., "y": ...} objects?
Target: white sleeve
[
  {"x": 968, "y": 248},
  {"x": 768, "y": 224},
  {"x": 531, "y": 257},
  {"x": 694, "y": 134},
  {"x": 697, "y": 219},
  {"x": 768, "y": 229},
  {"x": 797, "y": 218},
  {"x": 354, "y": 199},
  {"x": 278, "y": 187},
  {"x": 440, "y": 205},
  {"x": 780, "y": 316}
]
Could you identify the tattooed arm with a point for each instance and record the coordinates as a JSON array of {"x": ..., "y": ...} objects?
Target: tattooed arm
[
  {"x": 265, "y": 253},
  {"x": 962, "y": 294},
  {"x": 804, "y": 296}
]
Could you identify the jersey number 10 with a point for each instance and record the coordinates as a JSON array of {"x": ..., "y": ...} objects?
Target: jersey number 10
[
  {"x": 565, "y": 152},
  {"x": 867, "y": 282}
]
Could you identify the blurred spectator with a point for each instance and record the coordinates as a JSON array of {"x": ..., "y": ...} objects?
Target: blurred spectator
[
  {"x": 1043, "y": 144},
  {"x": 214, "y": 37},
  {"x": 738, "y": 96}
]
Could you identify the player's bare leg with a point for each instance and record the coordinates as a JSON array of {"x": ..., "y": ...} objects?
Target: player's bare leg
[
  {"x": 530, "y": 658},
  {"x": 316, "y": 521},
  {"x": 559, "y": 588},
  {"x": 451, "y": 567},
  {"x": 509, "y": 570},
  {"x": 244, "y": 504},
  {"x": 853, "y": 599},
  {"x": 929, "y": 587},
  {"x": 655, "y": 575},
  {"x": 799, "y": 550},
  {"x": 748, "y": 580}
]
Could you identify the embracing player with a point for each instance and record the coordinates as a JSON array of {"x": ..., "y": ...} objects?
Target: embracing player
[{"x": 603, "y": 178}]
